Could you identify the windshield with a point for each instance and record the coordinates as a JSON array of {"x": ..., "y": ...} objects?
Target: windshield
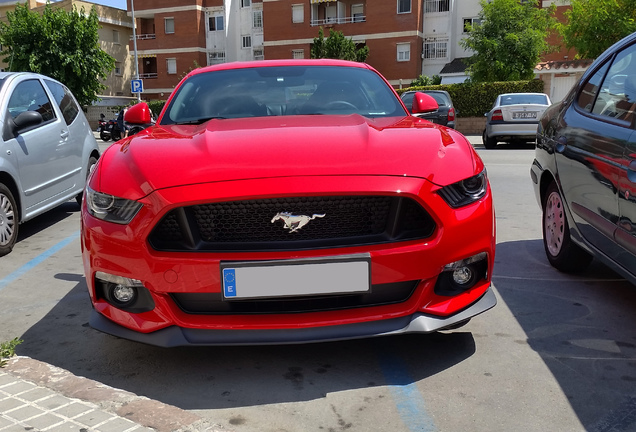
[
  {"x": 281, "y": 91},
  {"x": 520, "y": 99}
]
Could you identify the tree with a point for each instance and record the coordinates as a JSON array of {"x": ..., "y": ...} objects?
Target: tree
[
  {"x": 60, "y": 44},
  {"x": 424, "y": 80},
  {"x": 337, "y": 46},
  {"x": 509, "y": 41},
  {"x": 592, "y": 26}
]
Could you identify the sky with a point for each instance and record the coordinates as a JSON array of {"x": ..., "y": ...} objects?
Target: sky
[{"x": 120, "y": 4}]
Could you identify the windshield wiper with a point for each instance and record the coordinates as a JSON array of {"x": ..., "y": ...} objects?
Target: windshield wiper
[{"x": 199, "y": 121}]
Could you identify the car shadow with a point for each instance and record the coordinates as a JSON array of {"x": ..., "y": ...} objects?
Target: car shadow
[
  {"x": 47, "y": 220},
  {"x": 582, "y": 326},
  {"x": 230, "y": 377}
]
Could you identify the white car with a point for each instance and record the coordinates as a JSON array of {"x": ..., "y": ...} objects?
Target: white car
[
  {"x": 46, "y": 152},
  {"x": 514, "y": 117}
]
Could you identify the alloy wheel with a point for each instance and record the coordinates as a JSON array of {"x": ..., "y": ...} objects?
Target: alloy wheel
[{"x": 554, "y": 224}]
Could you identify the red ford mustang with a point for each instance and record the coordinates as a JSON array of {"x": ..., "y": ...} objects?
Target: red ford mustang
[{"x": 286, "y": 202}]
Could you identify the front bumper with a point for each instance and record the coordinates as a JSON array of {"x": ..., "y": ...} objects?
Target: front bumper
[{"x": 177, "y": 336}]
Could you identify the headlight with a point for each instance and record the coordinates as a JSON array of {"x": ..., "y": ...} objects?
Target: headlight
[
  {"x": 110, "y": 208},
  {"x": 466, "y": 191}
]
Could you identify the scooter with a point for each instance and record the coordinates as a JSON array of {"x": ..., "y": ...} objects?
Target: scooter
[{"x": 110, "y": 130}]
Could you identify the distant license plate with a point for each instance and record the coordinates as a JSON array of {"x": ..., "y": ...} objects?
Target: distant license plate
[
  {"x": 525, "y": 115},
  {"x": 302, "y": 277}
]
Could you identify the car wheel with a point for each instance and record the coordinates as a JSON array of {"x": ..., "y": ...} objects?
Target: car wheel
[
  {"x": 8, "y": 220},
  {"x": 489, "y": 143},
  {"x": 91, "y": 164},
  {"x": 562, "y": 253},
  {"x": 104, "y": 136}
]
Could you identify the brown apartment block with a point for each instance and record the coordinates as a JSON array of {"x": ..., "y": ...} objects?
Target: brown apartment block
[
  {"x": 171, "y": 40},
  {"x": 175, "y": 36},
  {"x": 392, "y": 29}
]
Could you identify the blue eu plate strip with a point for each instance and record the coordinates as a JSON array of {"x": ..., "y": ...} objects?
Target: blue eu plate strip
[{"x": 229, "y": 282}]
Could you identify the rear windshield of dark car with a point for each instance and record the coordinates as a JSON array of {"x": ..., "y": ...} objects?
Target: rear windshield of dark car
[{"x": 280, "y": 91}]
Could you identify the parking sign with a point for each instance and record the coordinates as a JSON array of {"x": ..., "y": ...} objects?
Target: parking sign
[{"x": 136, "y": 86}]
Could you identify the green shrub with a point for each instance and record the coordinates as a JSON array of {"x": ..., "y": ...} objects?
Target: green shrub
[
  {"x": 475, "y": 99},
  {"x": 156, "y": 106},
  {"x": 7, "y": 350}
]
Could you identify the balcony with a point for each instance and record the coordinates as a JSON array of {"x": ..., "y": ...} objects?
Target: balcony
[
  {"x": 337, "y": 20},
  {"x": 148, "y": 75},
  {"x": 145, "y": 36}
]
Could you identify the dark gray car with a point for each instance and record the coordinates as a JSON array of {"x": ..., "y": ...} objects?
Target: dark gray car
[{"x": 445, "y": 114}]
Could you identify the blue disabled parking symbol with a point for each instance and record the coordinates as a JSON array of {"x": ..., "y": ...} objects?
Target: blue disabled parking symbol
[{"x": 136, "y": 86}]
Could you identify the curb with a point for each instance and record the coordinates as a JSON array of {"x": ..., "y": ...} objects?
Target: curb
[{"x": 141, "y": 410}]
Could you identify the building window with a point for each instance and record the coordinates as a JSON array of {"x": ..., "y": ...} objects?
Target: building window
[
  {"x": 331, "y": 14},
  {"x": 298, "y": 13},
  {"x": 431, "y": 6},
  {"x": 115, "y": 36},
  {"x": 169, "y": 23},
  {"x": 216, "y": 23},
  {"x": 404, "y": 6},
  {"x": 216, "y": 57},
  {"x": 246, "y": 3},
  {"x": 247, "y": 41},
  {"x": 357, "y": 12},
  {"x": 470, "y": 23},
  {"x": 257, "y": 21},
  {"x": 171, "y": 64},
  {"x": 259, "y": 54},
  {"x": 403, "y": 52},
  {"x": 118, "y": 69},
  {"x": 298, "y": 54},
  {"x": 435, "y": 48}
]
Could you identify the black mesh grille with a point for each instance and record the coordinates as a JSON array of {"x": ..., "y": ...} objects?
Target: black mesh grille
[
  {"x": 336, "y": 221},
  {"x": 213, "y": 303}
]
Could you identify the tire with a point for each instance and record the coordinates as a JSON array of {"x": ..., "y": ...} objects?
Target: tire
[
  {"x": 91, "y": 164},
  {"x": 489, "y": 143},
  {"x": 8, "y": 220},
  {"x": 135, "y": 130},
  {"x": 104, "y": 136},
  {"x": 562, "y": 253}
]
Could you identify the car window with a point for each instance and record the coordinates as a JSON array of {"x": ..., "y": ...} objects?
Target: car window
[
  {"x": 440, "y": 98},
  {"x": 64, "y": 100},
  {"x": 617, "y": 95},
  {"x": 588, "y": 94},
  {"x": 407, "y": 98},
  {"x": 29, "y": 95},
  {"x": 516, "y": 99},
  {"x": 288, "y": 90}
]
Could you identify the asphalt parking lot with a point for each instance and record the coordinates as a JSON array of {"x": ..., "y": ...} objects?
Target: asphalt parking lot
[{"x": 558, "y": 352}]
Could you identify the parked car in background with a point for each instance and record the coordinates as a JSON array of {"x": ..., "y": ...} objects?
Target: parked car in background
[
  {"x": 584, "y": 172},
  {"x": 47, "y": 150},
  {"x": 514, "y": 118},
  {"x": 445, "y": 114},
  {"x": 286, "y": 201}
]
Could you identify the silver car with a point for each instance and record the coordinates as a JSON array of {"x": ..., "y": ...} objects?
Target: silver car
[
  {"x": 46, "y": 152},
  {"x": 514, "y": 117}
]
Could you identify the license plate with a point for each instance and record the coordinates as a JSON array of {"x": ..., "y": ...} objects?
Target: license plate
[
  {"x": 303, "y": 277},
  {"x": 525, "y": 115}
]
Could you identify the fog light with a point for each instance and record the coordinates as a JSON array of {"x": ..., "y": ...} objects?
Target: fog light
[
  {"x": 123, "y": 293},
  {"x": 462, "y": 275}
]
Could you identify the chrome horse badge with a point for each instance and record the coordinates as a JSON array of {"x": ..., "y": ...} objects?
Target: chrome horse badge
[{"x": 293, "y": 222}]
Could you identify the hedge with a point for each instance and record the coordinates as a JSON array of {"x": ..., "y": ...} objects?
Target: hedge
[{"x": 475, "y": 99}]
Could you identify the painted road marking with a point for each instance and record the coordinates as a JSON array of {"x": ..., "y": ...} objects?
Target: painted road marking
[
  {"x": 407, "y": 397},
  {"x": 37, "y": 260}
]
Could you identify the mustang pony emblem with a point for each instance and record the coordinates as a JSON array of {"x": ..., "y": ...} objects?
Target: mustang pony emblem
[{"x": 295, "y": 222}]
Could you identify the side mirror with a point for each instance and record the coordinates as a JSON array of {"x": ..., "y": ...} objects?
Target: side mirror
[
  {"x": 138, "y": 114},
  {"x": 24, "y": 121},
  {"x": 423, "y": 103}
]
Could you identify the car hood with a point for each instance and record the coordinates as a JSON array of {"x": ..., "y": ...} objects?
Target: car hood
[{"x": 286, "y": 146}]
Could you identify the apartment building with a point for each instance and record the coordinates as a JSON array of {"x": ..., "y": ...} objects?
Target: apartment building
[
  {"x": 392, "y": 29},
  {"x": 174, "y": 37}
]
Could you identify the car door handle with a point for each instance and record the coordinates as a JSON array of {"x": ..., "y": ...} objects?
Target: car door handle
[{"x": 64, "y": 135}]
